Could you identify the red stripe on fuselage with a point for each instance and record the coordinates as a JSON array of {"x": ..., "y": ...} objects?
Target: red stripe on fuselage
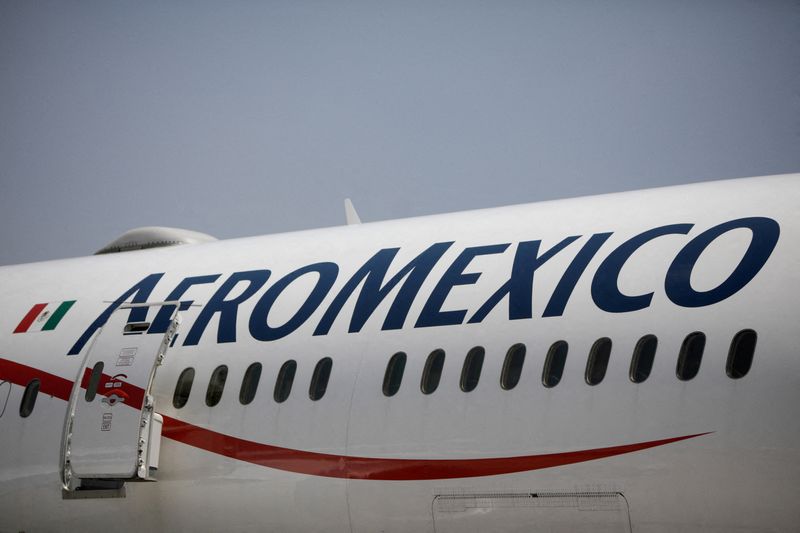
[
  {"x": 343, "y": 466},
  {"x": 338, "y": 466},
  {"x": 24, "y": 374}
]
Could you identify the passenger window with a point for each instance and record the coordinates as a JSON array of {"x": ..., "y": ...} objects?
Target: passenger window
[
  {"x": 394, "y": 374},
  {"x": 554, "y": 364},
  {"x": 471, "y": 371},
  {"x": 597, "y": 363},
  {"x": 283, "y": 385},
  {"x": 740, "y": 356},
  {"x": 691, "y": 355},
  {"x": 250, "y": 383},
  {"x": 319, "y": 380},
  {"x": 183, "y": 388},
  {"x": 216, "y": 385},
  {"x": 643, "y": 355},
  {"x": 94, "y": 381},
  {"x": 29, "y": 398},
  {"x": 432, "y": 372},
  {"x": 512, "y": 366}
]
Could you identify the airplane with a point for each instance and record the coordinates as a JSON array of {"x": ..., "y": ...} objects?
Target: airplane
[{"x": 619, "y": 363}]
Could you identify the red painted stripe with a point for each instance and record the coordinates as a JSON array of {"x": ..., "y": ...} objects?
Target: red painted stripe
[
  {"x": 343, "y": 466},
  {"x": 339, "y": 466},
  {"x": 23, "y": 374},
  {"x": 29, "y": 318}
]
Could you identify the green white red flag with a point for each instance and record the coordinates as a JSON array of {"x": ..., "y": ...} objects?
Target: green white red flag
[{"x": 44, "y": 317}]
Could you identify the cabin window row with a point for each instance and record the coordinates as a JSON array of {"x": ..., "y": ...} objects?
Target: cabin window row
[
  {"x": 740, "y": 359},
  {"x": 252, "y": 377}
]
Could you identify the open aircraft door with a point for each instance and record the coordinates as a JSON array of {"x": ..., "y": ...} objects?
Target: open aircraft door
[{"x": 112, "y": 433}]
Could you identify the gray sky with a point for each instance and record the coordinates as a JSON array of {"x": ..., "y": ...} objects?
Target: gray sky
[{"x": 245, "y": 118}]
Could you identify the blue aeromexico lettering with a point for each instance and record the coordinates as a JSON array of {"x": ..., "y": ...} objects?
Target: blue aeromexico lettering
[{"x": 372, "y": 276}]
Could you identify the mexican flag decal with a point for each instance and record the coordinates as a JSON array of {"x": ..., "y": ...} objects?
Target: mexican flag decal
[{"x": 44, "y": 317}]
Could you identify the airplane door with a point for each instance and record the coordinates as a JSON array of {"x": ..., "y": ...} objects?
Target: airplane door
[{"x": 112, "y": 431}]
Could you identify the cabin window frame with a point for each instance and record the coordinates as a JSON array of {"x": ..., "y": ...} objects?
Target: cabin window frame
[
  {"x": 216, "y": 385},
  {"x": 432, "y": 372},
  {"x": 471, "y": 370},
  {"x": 393, "y": 376},
  {"x": 94, "y": 381},
  {"x": 599, "y": 356},
  {"x": 320, "y": 379},
  {"x": 250, "y": 383},
  {"x": 554, "y": 356},
  {"x": 734, "y": 352},
  {"x": 511, "y": 373},
  {"x": 29, "y": 396},
  {"x": 284, "y": 381},
  {"x": 635, "y": 374},
  {"x": 184, "y": 384},
  {"x": 686, "y": 369}
]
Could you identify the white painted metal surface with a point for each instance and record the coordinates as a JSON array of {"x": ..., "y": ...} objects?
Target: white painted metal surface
[
  {"x": 531, "y": 512},
  {"x": 347, "y": 462}
]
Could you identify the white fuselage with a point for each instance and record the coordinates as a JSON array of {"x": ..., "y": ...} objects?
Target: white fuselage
[{"x": 711, "y": 453}]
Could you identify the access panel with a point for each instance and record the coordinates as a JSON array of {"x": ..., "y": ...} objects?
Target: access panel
[{"x": 532, "y": 512}]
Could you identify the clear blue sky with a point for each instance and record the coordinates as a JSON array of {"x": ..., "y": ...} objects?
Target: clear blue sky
[{"x": 245, "y": 118}]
